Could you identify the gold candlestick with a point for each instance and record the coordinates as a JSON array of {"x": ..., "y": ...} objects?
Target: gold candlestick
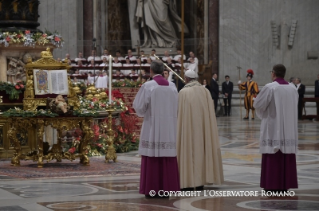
[{"x": 110, "y": 153}]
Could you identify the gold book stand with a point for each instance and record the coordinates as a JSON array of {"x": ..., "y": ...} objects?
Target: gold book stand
[{"x": 47, "y": 62}]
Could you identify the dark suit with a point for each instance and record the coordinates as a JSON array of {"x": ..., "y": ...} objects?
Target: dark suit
[
  {"x": 317, "y": 88},
  {"x": 214, "y": 90},
  {"x": 301, "y": 92},
  {"x": 227, "y": 88}
]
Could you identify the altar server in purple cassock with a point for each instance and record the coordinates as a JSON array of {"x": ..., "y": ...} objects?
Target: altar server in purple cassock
[
  {"x": 157, "y": 102},
  {"x": 276, "y": 106}
]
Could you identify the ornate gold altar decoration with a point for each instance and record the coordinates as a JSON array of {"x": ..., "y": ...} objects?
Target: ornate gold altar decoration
[
  {"x": 110, "y": 153},
  {"x": 35, "y": 124},
  {"x": 60, "y": 123},
  {"x": 45, "y": 63}
]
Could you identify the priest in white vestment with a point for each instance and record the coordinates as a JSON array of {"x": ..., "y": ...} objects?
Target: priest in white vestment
[
  {"x": 101, "y": 82},
  {"x": 276, "y": 106},
  {"x": 198, "y": 148},
  {"x": 157, "y": 102}
]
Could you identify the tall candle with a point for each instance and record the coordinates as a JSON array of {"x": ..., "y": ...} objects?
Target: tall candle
[{"x": 110, "y": 79}]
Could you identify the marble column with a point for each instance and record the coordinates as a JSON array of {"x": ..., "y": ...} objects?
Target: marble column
[
  {"x": 87, "y": 27},
  {"x": 213, "y": 34}
]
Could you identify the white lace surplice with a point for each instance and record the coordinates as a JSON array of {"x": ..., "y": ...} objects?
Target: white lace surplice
[
  {"x": 158, "y": 105},
  {"x": 276, "y": 105}
]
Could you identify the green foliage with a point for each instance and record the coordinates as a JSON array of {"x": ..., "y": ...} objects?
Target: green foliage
[
  {"x": 21, "y": 113},
  {"x": 12, "y": 90}
]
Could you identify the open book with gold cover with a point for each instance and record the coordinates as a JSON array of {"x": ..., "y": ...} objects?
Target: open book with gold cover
[{"x": 50, "y": 82}]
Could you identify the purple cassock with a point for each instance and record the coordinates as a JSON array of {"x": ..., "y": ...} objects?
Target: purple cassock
[
  {"x": 279, "y": 170},
  {"x": 159, "y": 169}
]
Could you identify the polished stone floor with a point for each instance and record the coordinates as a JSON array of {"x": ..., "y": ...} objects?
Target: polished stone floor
[{"x": 241, "y": 162}]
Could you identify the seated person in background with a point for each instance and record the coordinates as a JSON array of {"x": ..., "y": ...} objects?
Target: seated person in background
[
  {"x": 179, "y": 55},
  {"x": 166, "y": 56},
  {"x": 76, "y": 72},
  {"x": 149, "y": 62},
  {"x": 105, "y": 54},
  {"x": 143, "y": 57},
  {"x": 119, "y": 56},
  {"x": 92, "y": 63},
  {"x": 127, "y": 64},
  {"x": 79, "y": 63},
  {"x": 192, "y": 55},
  {"x": 130, "y": 56},
  {"x": 133, "y": 73},
  {"x": 80, "y": 57},
  {"x": 170, "y": 63},
  {"x": 192, "y": 65},
  {"x": 118, "y": 76},
  {"x": 105, "y": 63},
  {"x": 116, "y": 63},
  {"x": 94, "y": 56},
  {"x": 141, "y": 75},
  {"x": 138, "y": 63},
  {"x": 152, "y": 56},
  {"x": 67, "y": 57}
]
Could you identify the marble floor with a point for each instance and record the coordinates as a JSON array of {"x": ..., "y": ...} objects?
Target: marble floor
[{"x": 241, "y": 162}]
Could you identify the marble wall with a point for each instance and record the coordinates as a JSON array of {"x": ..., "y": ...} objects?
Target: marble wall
[
  {"x": 66, "y": 17},
  {"x": 246, "y": 39}
]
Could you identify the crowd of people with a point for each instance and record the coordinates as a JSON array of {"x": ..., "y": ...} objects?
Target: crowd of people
[{"x": 131, "y": 66}]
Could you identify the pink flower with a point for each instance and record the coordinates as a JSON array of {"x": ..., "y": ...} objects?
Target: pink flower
[
  {"x": 99, "y": 145},
  {"x": 102, "y": 105},
  {"x": 120, "y": 129},
  {"x": 17, "y": 86},
  {"x": 57, "y": 39},
  {"x": 95, "y": 99},
  {"x": 22, "y": 86},
  {"x": 8, "y": 38},
  {"x": 27, "y": 31},
  {"x": 19, "y": 36},
  {"x": 44, "y": 35},
  {"x": 71, "y": 150}
]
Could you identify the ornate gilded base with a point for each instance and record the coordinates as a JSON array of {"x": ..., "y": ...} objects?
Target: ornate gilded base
[{"x": 65, "y": 123}]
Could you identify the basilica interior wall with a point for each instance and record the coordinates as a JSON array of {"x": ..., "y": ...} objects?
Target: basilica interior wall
[
  {"x": 66, "y": 17},
  {"x": 246, "y": 38}
]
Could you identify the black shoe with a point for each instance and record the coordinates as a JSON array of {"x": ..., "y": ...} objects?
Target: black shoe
[{"x": 246, "y": 118}]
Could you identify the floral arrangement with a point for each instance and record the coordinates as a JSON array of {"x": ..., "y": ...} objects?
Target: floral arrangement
[
  {"x": 96, "y": 105},
  {"x": 31, "y": 39},
  {"x": 13, "y": 90},
  {"x": 127, "y": 83}
]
